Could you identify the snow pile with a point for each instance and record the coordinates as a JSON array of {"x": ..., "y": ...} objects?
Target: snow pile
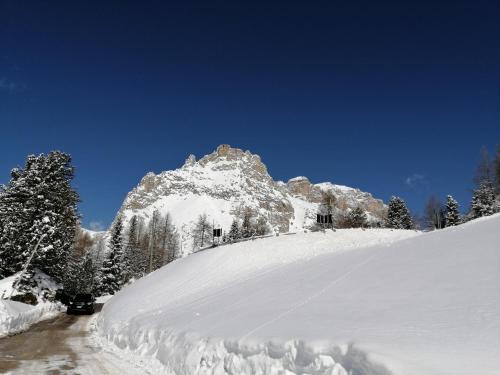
[
  {"x": 16, "y": 317},
  {"x": 6, "y": 286},
  {"x": 44, "y": 286},
  {"x": 322, "y": 304},
  {"x": 198, "y": 313}
]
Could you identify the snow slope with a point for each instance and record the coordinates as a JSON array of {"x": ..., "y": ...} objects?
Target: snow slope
[{"x": 369, "y": 302}]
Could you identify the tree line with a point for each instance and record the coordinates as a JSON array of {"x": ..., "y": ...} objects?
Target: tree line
[
  {"x": 485, "y": 196},
  {"x": 249, "y": 225},
  {"x": 485, "y": 201},
  {"x": 40, "y": 230},
  {"x": 134, "y": 251}
]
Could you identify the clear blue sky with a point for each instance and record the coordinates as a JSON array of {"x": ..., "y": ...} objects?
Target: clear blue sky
[{"x": 391, "y": 97}]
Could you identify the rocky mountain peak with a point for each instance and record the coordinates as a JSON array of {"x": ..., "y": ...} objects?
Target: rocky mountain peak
[
  {"x": 226, "y": 182},
  {"x": 190, "y": 161},
  {"x": 299, "y": 186},
  {"x": 233, "y": 157}
]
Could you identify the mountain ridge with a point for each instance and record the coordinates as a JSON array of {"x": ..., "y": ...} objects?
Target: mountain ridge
[{"x": 229, "y": 180}]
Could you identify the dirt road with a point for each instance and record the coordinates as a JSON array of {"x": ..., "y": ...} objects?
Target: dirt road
[{"x": 61, "y": 345}]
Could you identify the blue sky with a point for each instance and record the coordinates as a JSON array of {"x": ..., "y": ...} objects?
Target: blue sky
[{"x": 393, "y": 97}]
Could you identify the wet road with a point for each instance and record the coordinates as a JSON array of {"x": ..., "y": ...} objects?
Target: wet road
[{"x": 62, "y": 345}]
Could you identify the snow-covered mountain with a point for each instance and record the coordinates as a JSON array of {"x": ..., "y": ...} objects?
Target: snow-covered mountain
[{"x": 225, "y": 182}]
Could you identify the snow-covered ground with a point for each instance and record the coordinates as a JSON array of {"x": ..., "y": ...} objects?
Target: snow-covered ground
[
  {"x": 15, "y": 316},
  {"x": 367, "y": 301},
  {"x": 44, "y": 285}
]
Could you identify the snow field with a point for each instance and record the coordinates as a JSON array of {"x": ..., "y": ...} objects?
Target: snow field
[
  {"x": 164, "y": 321},
  {"x": 354, "y": 301}
]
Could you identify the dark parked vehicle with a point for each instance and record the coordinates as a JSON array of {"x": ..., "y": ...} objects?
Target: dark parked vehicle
[{"x": 82, "y": 303}]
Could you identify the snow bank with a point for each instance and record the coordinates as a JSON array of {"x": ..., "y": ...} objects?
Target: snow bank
[
  {"x": 44, "y": 285},
  {"x": 6, "y": 286},
  {"x": 16, "y": 317},
  {"x": 184, "y": 314},
  {"x": 367, "y": 302}
]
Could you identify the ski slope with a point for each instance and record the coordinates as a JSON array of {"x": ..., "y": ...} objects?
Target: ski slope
[{"x": 369, "y": 302}]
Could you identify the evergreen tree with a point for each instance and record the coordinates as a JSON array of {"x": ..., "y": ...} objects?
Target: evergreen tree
[
  {"x": 81, "y": 273},
  {"x": 357, "y": 218},
  {"x": 137, "y": 248},
  {"x": 155, "y": 251},
  {"x": 143, "y": 238},
  {"x": 496, "y": 167},
  {"x": 452, "y": 213},
  {"x": 88, "y": 273},
  {"x": 111, "y": 279},
  {"x": 247, "y": 229},
  {"x": 3, "y": 265},
  {"x": 261, "y": 227},
  {"x": 483, "y": 201},
  {"x": 39, "y": 204},
  {"x": 234, "y": 233},
  {"x": 130, "y": 251},
  {"x": 398, "y": 215}
]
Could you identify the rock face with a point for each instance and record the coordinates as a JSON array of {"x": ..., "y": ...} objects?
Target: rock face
[
  {"x": 346, "y": 197},
  {"x": 229, "y": 180}
]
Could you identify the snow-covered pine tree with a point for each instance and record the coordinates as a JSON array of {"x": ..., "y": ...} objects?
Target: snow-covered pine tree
[
  {"x": 261, "y": 227},
  {"x": 12, "y": 230},
  {"x": 130, "y": 247},
  {"x": 247, "y": 229},
  {"x": 88, "y": 272},
  {"x": 496, "y": 170},
  {"x": 202, "y": 233},
  {"x": 134, "y": 262},
  {"x": 483, "y": 200},
  {"x": 111, "y": 278},
  {"x": 81, "y": 273},
  {"x": 39, "y": 203},
  {"x": 2, "y": 260},
  {"x": 234, "y": 233},
  {"x": 357, "y": 218},
  {"x": 452, "y": 213},
  {"x": 398, "y": 215}
]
